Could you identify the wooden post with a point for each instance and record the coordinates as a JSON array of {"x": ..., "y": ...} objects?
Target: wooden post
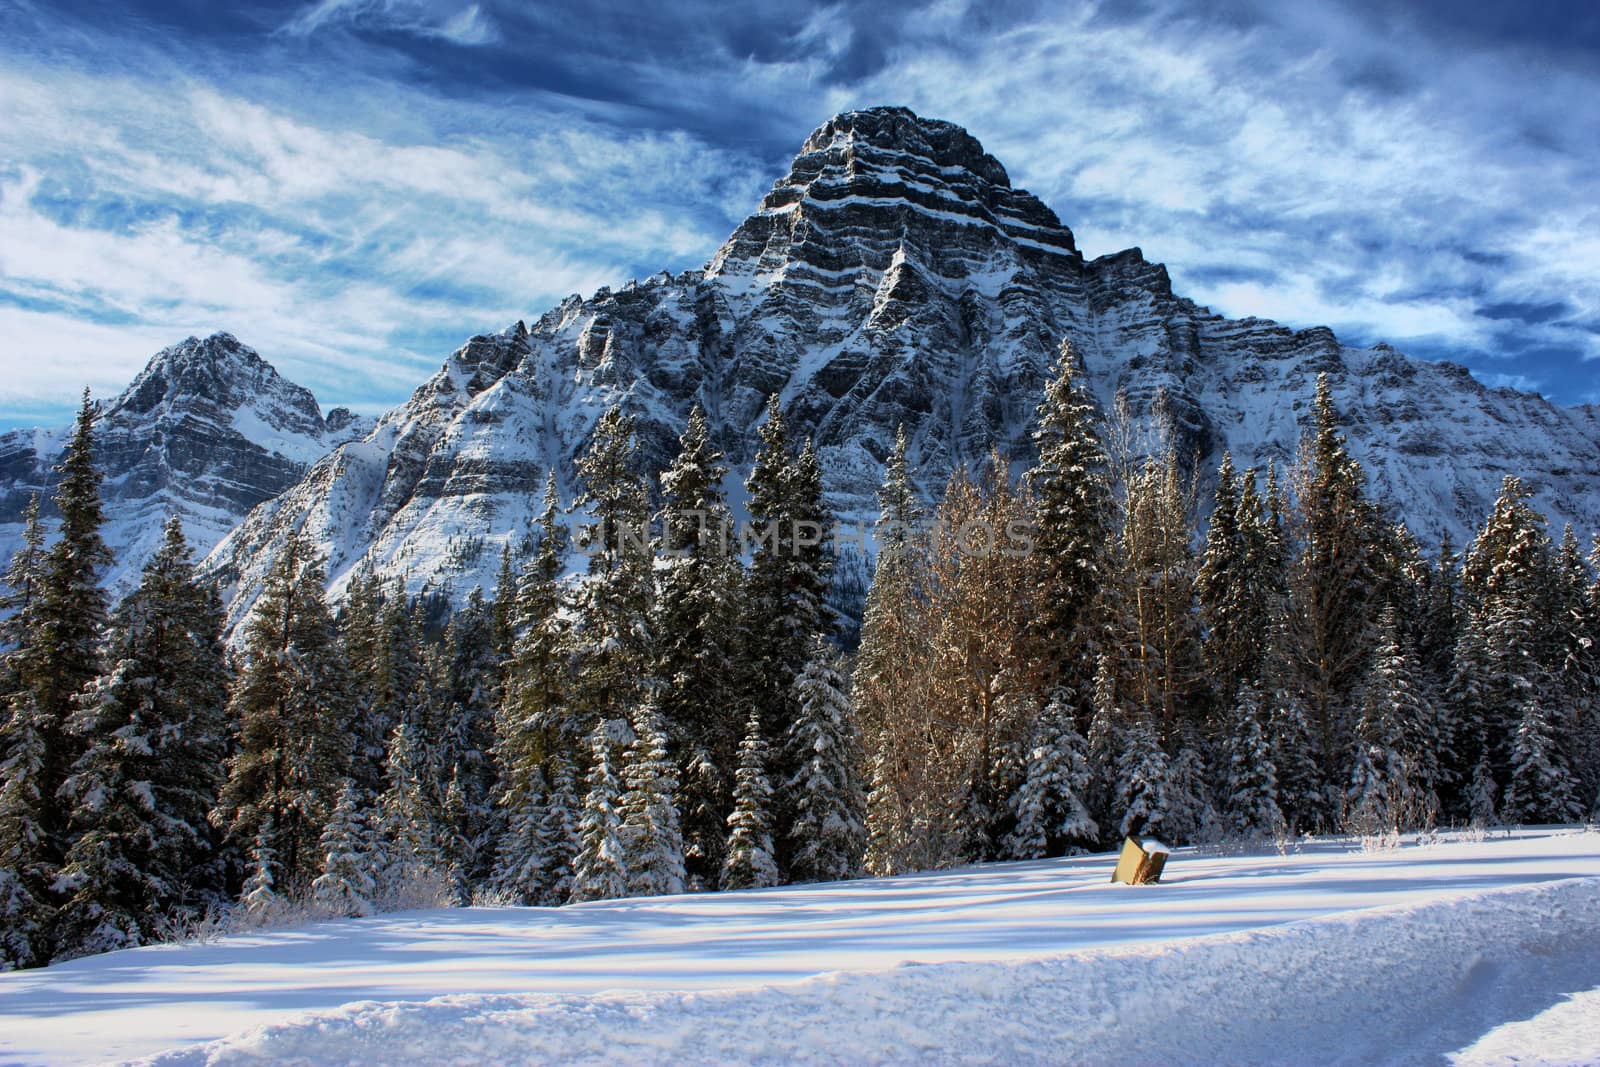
[{"x": 1141, "y": 862}]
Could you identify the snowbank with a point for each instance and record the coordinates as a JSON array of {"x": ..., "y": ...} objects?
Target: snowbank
[
  {"x": 1057, "y": 917},
  {"x": 1392, "y": 984}
]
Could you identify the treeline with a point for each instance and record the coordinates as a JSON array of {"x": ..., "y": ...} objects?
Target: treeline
[
  {"x": 1302, "y": 667},
  {"x": 1046, "y": 662},
  {"x": 675, "y": 720}
]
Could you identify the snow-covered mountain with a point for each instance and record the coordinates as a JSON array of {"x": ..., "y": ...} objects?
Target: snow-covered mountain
[
  {"x": 208, "y": 430},
  {"x": 893, "y": 275}
]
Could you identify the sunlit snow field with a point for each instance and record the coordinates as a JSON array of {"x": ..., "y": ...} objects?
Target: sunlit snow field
[{"x": 1047, "y": 962}]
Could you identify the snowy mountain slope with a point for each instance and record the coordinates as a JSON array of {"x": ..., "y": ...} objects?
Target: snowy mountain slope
[
  {"x": 1429, "y": 946},
  {"x": 207, "y": 430},
  {"x": 893, "y": 275}
]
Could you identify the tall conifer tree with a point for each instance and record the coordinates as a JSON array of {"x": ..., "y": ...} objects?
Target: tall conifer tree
[
  {"x": 697, "y": 626},
  {"x": 156, "y": 735},
  {"x": 293, "y": 703},
  {"x": 828, "y": 836},
  {"x": 1072, "y": 491}
]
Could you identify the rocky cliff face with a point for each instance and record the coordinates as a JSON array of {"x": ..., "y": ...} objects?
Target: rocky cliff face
[
  {"x": 208, "y": 430},
  {"x": 892, "y": 276}
]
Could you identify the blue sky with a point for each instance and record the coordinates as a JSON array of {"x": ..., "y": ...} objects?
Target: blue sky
[{"x": 355, "y": 186}]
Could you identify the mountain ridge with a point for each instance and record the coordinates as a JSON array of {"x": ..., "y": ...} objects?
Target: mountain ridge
[
  {"x": 893, "y": 275},
  {"x": 207, "y": 430}
]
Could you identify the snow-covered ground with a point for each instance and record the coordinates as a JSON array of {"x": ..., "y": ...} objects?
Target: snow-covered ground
[{"x": 1328, "y": 954}]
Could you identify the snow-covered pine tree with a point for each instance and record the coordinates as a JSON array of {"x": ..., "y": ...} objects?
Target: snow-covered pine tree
[
  {"x": 1190, "y": 810},
  {"x": 1144, "y": 783},
  {"x": 71, "y": 611},
  {"x": 531, "y": 724},
  {"x": 470, "y": 694},
  {"x": 24, "y": 582},
  {"x": 611, "y": 636},
  {"x": 561, "y": 832},
  {"x": 260, "y": 896},
  {"x": 652, "y": 840},
  {"x": 348, "y": 882},
  {"x": 293, "y": 703},
  {"x": 1480, "y": 807},
  {"x": 1334, "y": 579},
  {"x": 413, "y": 804},
  {"x": 697, "y": 629},
  {"x": 1072, "y": 491},
  {"x": 787, "y": 587},
  {"x": 600, "y": 871},
  {"x": 889, "y": 685},
  {"x": 1512, "y": 645},
  {"x": 1051, "y": 816},
  {"x": 1106, "y": 741},
  {"x": 749, "y": 862},
  {"x": 156, "y": 735},
  {"x": 828, "y": 836},
  {"x": 532, "y": 721},
  {"x": 1575, "y": 627},
  {"x": 25, "y": 873},
  {"x": 27, "y": 907},
  {"x": 520, "y": 859},
  {"x": 56, "y": 653},
  {"x": 1250, "y": 798},
  {"x": 1301, "y": 796},
  {"x": 1543, "y": 788},
  {"x": 1387, "y": 792}
]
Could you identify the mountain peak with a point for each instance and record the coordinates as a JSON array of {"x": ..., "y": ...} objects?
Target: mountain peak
[
  {"x": 218, "y": 370},
  {"x": 867, "y": 183},
  {"x": 900, "y": 130}
]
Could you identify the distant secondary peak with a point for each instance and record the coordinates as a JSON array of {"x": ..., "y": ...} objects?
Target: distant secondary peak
[{"x": 899, "y": 129}]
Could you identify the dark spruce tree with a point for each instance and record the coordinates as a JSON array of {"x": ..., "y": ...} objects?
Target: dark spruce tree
[
  {"x": 383, "y": 642},
  {"x": 828, "y": 835},
  {"x": 473, "y": 678},
  {"x": 1237, "y": 585},
  {"x": 293, "y": 707},
  {"x": 25, "y": 873},
  {"x": 697, "y": 627},
  {"x": 611, "y": 637},
  {"x": 1335, "y": 582},
  {"x": 536, "y": 737},
  {"x": 1072, "y": 493},
  {"x": 56, "y": 653},
  {"x": 787, "y": 588},
  {"x": 155, "y": 732}
]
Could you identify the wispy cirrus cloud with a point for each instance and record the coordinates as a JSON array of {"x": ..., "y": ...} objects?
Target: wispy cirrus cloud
[
  {"x": 1299, "y": 164},
  {"x": 356, "y": 185},
  {"x": 460, "y": 24},
  {"x": 150, "y": 209}
]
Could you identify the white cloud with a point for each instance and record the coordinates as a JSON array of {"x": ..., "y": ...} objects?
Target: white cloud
[
  {"x": 354, "y": 261},
  {"x": 1313, "y": 165},
  {"x": 460, "y": 24},
  {"x": 1211, "y": 144}
]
